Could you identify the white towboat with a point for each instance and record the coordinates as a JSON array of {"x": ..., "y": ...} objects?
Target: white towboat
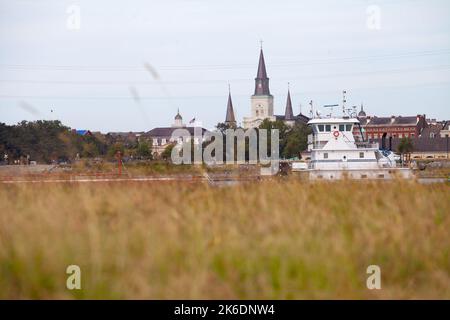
[{"x": 335, "y": 154}]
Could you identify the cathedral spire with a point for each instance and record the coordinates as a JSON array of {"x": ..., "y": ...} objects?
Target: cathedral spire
[
  {"x": 261, "y": 80},
  {"x": 288, "y": 114},
  {"x": 229, "y": 118}
]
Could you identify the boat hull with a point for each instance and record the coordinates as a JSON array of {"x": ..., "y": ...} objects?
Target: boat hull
[{"x": 361, "y": 174}]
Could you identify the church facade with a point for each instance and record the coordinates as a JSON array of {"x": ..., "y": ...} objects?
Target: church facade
[{"x": 262, "y": 105}]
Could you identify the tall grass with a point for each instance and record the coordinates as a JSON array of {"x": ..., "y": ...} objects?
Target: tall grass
[{"x": 268, "y": 240}]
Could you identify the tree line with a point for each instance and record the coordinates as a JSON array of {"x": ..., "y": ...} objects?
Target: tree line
[{"x": 50, "y": 141}]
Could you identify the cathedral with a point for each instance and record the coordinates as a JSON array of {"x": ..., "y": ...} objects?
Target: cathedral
[{"x": 262, "y": 103}]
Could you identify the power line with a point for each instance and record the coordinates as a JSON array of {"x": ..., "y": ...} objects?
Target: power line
[
  {"x": 225, "y": 66},
  {"x": 203, "y": 97},
  {"x": 154, "y": 83}
]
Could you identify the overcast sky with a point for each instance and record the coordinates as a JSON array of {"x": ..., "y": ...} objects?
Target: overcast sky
[{"x": 128, "y": 65}]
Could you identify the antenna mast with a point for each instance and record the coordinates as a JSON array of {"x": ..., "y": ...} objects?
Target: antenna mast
[{"x": 344, "y": 100}]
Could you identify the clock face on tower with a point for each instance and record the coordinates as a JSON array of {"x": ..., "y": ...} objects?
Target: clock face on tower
[{"x": 259, "y": 85}]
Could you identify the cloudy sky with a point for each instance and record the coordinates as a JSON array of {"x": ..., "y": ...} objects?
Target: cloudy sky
[{"x": 128, "y": 65}]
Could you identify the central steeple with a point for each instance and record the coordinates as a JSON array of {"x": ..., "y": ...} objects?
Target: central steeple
[
  {"x": 261, "y": 80},
  {"x": 261, "y": 100}
]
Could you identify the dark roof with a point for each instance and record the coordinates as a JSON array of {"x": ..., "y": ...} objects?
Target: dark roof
[
  {"x": 302, "y": 118},
  {"x": 124, "y": 134},
  {"x": 405, "y": 120},
  {"x": 229, "y": 118},
  {"x": 288, "y": 114},
  {"x": 422, "y": 144},
  {"x": 298, "y": 118},
  {"x": 432, "y": 129},
  {"x": 362, "y": 113},
  {"x": 167, "y": 131},
  {"x": 363, "y": 121},
  {"x": 379, "y": 121}
]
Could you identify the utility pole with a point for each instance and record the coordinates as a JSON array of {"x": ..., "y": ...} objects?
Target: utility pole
[
  {"x": 119, "y": 162},
  {"x": 447, "y": 144}
]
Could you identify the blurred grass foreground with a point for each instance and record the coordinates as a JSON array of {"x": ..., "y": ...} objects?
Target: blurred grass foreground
[{"x": 268, "y": 240}]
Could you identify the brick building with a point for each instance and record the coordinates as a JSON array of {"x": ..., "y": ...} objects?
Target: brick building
[{"x": 373, "y": 127}]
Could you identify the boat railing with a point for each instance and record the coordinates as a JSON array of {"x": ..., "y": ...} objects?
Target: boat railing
[{"x": 365, "y": 144}]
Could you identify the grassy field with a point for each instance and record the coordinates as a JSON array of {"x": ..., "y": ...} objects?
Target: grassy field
[{"x": 271, "y": 240}]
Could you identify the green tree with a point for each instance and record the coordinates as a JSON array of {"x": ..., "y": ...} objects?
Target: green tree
[
  {"x": 222, "y": 126},
  {"x": 113, "y": 149},
  {"x": 296, "y": 141},
  {"x": 167, "y": 153},
  {"x": 405, "y": 147},
  {"x": 90, "y": 150},
  {"x": 144, "y": 149},
  {"x": 282, "y": 131}
]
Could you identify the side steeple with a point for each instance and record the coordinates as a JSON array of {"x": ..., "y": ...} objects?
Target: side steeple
[
  {"x": 229, "y": 118},
  {"x": 289, "y": 114}
]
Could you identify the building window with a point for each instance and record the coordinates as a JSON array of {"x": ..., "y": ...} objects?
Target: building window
[
  {"x": 341, "y": 127},
  {"x": 349, "y": 127},
  {"x": 163, "y": 141},
  {"x": 328, "y": 128},
  {"x": 361, "y": 155},
  {"x": 155, "y": 142},
  {"x": 320, "y": 127},
  {"x": 325, "y": 155}
]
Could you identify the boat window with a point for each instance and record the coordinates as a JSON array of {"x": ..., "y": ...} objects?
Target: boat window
[
  {"x": 349, "y": 127},
  {"x": 361, "y": 154},
  {"x": 325, "y": 155},
  {"x": 328, "y": 128},
  {"x": 341, "y": 127},
  {"x": 320, "y": 126}
]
